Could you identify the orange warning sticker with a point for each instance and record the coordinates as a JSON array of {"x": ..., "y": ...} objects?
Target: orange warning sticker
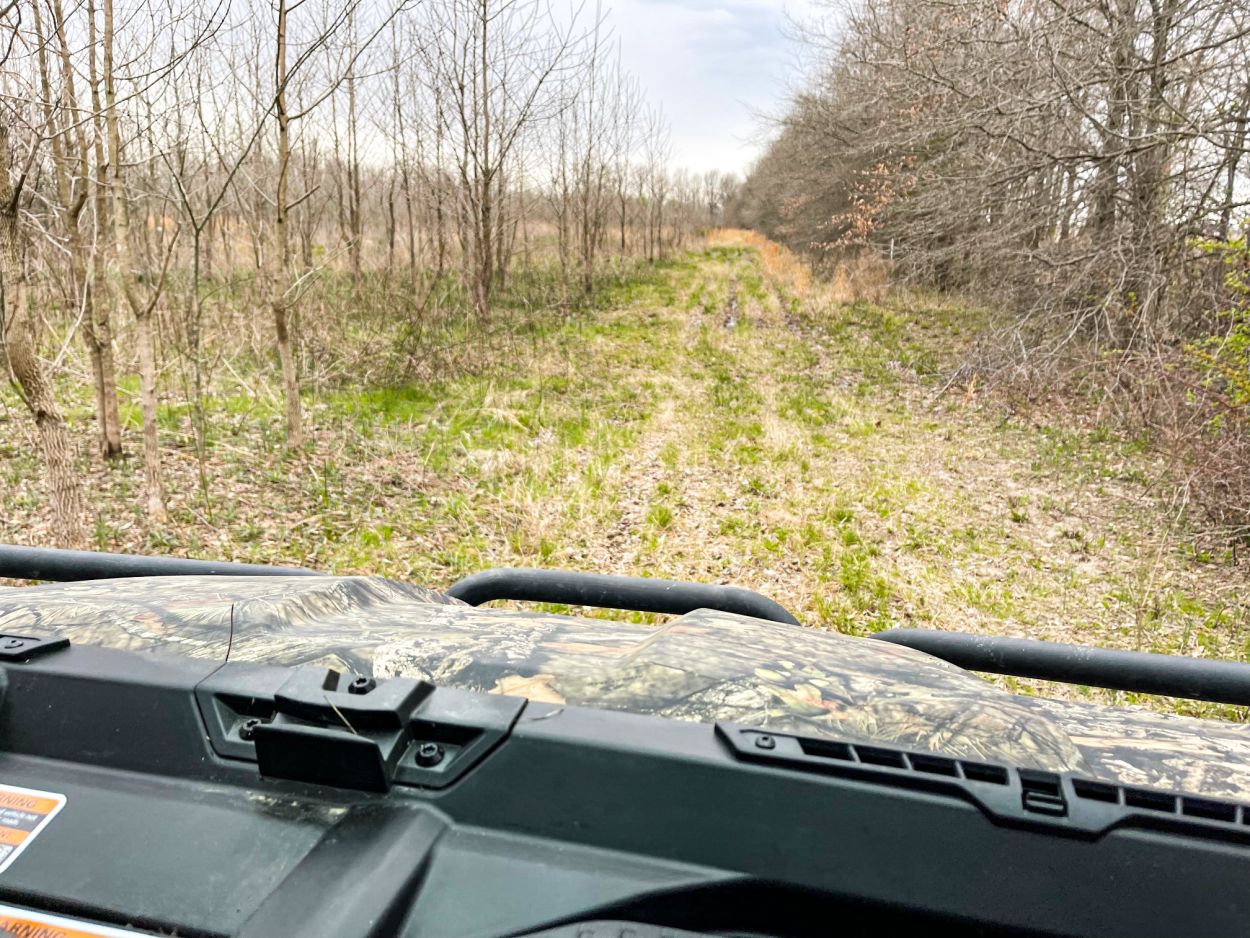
[
  {"x": 23, "y": 814},
  {"x": 23, "y": 923}
]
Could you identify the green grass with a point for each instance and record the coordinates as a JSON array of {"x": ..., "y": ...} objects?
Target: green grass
[{"x": 803, "y": 453}]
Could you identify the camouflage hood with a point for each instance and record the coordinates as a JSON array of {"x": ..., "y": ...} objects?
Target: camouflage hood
[{"x": 703, "y": 666}]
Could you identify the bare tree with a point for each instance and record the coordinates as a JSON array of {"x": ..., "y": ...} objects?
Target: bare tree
[
  {"x": 18, "y": 335},
  {"x": 72, "y": 161},
  {"x": 122, "y": 277},
  {"x": 495, "y": 61},
  {"x": 186, "y": 162}
]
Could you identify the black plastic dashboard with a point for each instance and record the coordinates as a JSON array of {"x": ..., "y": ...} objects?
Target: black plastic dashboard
[{"x": 201, "y": 799}]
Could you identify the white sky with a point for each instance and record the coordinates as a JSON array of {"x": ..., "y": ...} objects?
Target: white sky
[{"x": 712, "y": 65}]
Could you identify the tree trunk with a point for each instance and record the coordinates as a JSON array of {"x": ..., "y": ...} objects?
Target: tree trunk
[
  {"x": 505, "y": 235},
  {"x": 17, "y": 342},
  {"x": 621, "y": 196},
  {"x": 390, "y": 225},
  {"x": 290, "y": 380},
  {"x": 410, "y": 219},
  {"x": 485, "y": 214},
  {"x": 1235, "y": 147},
  {"x": 121, "y": 282},
  {"x": 97, "y": 329},
  {"x": 440, "y": 219},
  {"x": 36, "y": 390},
  {"x": 354, "y": 208},
  {"x": 99, "y": 339},
  {"x": 147, "y": 404},
  {"x": 101, "y": 300},
  {"x": 279, "y": 252}
]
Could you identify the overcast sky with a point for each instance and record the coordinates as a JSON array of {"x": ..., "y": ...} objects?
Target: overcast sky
[{"x": 711, "y": 64}]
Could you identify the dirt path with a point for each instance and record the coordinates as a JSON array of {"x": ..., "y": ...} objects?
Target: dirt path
[{"x": 801, "y": 448}]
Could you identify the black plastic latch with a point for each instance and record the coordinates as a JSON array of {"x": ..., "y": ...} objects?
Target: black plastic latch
[
  {"x": 351, "y": 731},
  {"x": 326, "y": 731},
  {"x": 324, "y": 756},
  {"x": 25, "y": 647},
  {"x": 325, "y": 697}
]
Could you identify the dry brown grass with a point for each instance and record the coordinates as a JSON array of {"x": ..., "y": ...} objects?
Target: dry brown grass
[{"x": 779, "y": 263}]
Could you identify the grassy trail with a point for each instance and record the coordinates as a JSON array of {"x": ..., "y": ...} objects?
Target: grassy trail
[{"x": 722, "y": 420}]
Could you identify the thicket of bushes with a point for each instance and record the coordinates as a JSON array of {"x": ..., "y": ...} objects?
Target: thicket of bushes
[{"x": 1079, "y": 167}]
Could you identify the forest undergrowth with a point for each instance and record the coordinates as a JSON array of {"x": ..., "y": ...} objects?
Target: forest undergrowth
[{"x": 719, "y": 417}]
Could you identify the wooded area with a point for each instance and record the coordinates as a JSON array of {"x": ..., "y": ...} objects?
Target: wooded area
[
  {"x": 1080, "y": 165},
  {"x": 412, "y": 288},
  {"x": 206, "y": 205},
  {"x": 190, "y": 189}
]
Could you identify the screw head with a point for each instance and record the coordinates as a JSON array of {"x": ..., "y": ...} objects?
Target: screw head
[
  {"x": 361, "y": 685},
  {"x": 429, "y": 754},
  {"x": 765, "y": 742},
  {"x": 248, "y": 729},
  {"x": 10, "y": 644}
]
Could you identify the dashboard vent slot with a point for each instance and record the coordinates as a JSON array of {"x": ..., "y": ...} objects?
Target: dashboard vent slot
[
  {"x": 984, "y": 772},
  {"x": 872, "y": 755},
  {"x": 1096, "y": 791},
  {"x": 934, "y": 765},
  {"x": 1211, "y": 810},
  {"x": 826, "y": 749},
  {"x": 1150, "y": 800}
]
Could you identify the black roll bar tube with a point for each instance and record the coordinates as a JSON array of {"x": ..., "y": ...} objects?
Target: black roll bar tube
[
  {"x": 639, "y": 594},
  {"x": 1226, "y": 682},
  {"x": 604, "y": 591},
  {"x": 42, "y": 563}
]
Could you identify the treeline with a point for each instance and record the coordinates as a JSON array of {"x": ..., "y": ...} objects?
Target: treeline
[
  {"x": 1079, "y": 164},
  {"x": 180, "y": 173}
]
